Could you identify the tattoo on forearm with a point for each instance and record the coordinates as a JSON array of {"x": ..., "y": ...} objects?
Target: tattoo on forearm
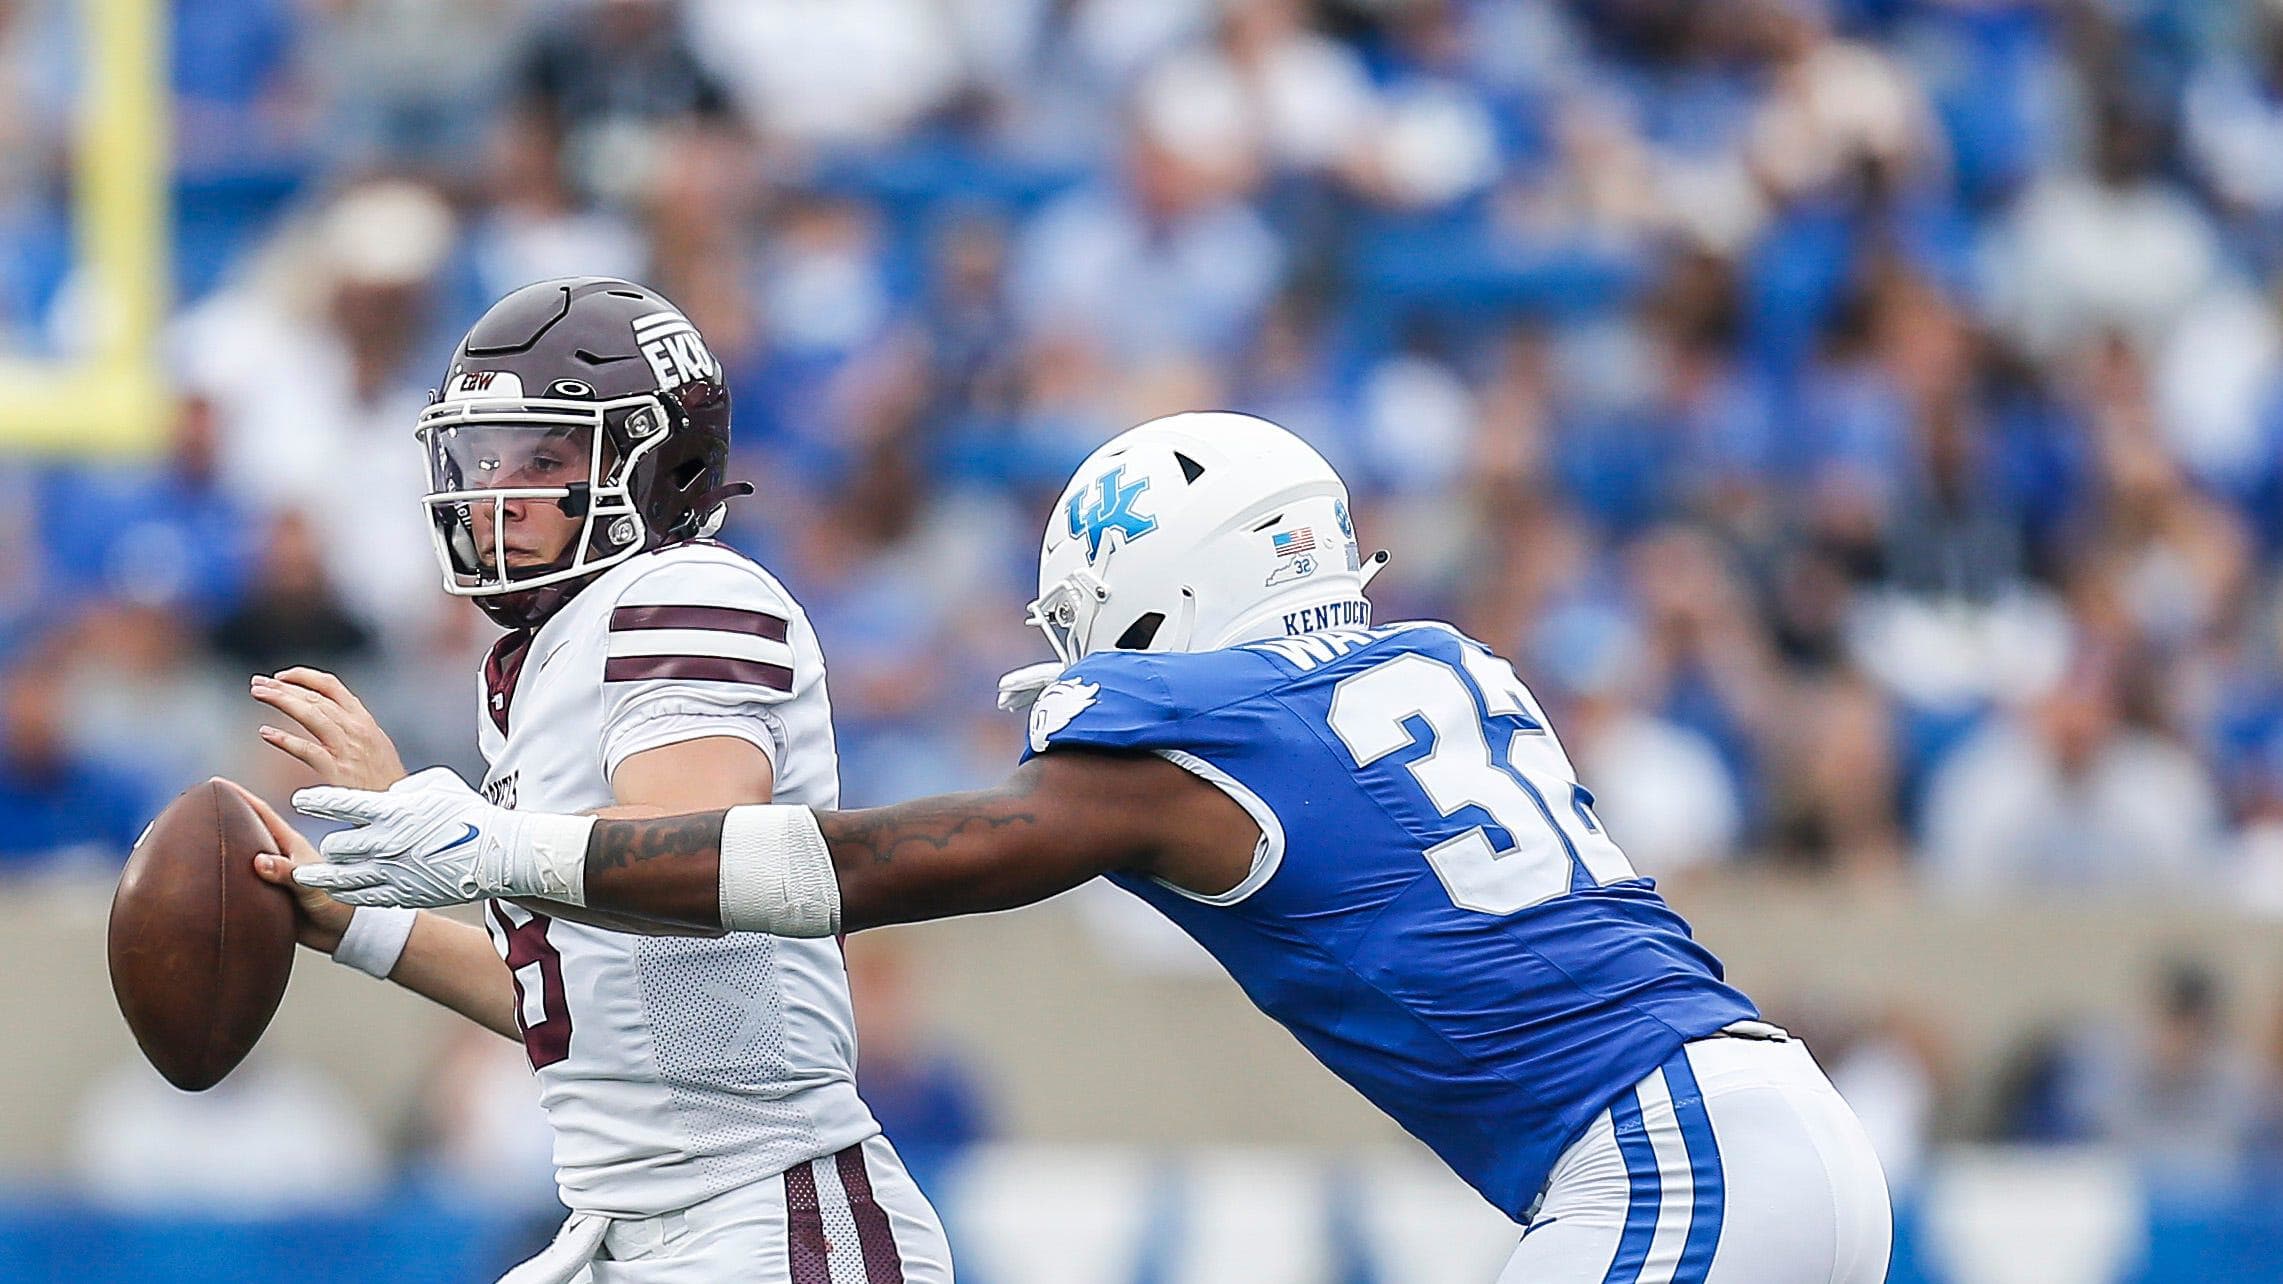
[
  {"x": 933, "y": 825},
  {"x": 617, "y": 844}
]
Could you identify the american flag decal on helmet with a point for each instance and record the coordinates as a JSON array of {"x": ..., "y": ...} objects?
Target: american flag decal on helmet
[
  {"x": 701, "y": 643},
  {"x": 1294, "y": 543}
]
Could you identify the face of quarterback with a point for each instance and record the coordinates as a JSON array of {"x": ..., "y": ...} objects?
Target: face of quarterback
[{"x": 527, "y": 531}]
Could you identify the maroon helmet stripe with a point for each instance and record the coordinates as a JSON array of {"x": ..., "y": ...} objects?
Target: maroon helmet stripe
[
  {"x": 807, "y": 1253},
  {"x": 725, "y": 619},
  {"x": 882, "y": 1263},
  {"x": 705, "y": 668}
]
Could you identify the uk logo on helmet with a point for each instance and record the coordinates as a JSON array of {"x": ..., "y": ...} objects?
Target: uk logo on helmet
[{"x": 1111, "y": 509}]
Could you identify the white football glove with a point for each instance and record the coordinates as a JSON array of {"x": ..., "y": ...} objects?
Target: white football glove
[
  {"x": 431, "y": 840},
  {"x": 1019, "y": 689}
]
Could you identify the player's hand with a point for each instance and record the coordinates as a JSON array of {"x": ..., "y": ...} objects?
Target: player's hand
[
  {"x": 430, "y": 840},
  {"x": 319, "y": 920},
  {"x": 343, "y": 744}
]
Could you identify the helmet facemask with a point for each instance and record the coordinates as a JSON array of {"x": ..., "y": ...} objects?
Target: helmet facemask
[
  {"x": 1067, "y": 613},
  {"x": 579, "y": 456}
]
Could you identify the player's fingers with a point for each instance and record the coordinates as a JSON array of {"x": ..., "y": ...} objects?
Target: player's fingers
[
  {"x": 331, "y": 802},
  {"x": 381, "y": 897},
  {"x": 319, "y": 758},
  {"x": 282, "y": 832},
  {"x": 325, "y": 684},
  {"x": 321, "y": 715},
  {"x": 352, "y": 845},
  {"x": 340, "y": 880}
]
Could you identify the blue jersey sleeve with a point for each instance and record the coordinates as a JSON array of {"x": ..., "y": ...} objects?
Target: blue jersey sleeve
[{"x": 1145, "y": 702}]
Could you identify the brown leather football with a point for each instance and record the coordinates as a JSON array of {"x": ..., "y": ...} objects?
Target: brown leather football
[{"x": 200, "y": 946}]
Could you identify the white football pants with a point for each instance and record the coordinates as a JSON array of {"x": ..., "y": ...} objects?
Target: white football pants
[
  {"x": 850, "y": 1218},
  {"x": 1736, "y": 1163}
]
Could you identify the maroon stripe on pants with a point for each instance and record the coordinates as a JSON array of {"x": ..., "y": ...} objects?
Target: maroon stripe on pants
[
  {"x": 724, "y": 619},
  {"x": 882, "y": 1263},
  {"x": 806, "y": 1249}
]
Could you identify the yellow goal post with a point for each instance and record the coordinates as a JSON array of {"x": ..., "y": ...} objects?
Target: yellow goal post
[{"x": 113, "y": 398}]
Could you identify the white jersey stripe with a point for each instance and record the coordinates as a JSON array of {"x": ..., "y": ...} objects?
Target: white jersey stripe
[{"x": 735, "y": 646}]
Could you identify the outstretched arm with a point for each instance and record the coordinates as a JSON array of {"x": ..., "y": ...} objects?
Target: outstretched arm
[
  {"x": 688, "y": 775},
  {"x": 1058, "y": 821}
]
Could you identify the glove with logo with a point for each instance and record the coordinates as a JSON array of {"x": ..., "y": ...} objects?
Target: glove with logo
[{"x": 431, "y": 840}]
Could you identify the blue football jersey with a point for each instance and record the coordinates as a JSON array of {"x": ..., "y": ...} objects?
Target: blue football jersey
[{"x": 1434, "y": 909}]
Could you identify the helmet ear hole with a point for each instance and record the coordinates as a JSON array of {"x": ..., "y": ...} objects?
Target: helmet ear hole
[
  {"x": 688, "y": 474},
  {"x": 1141, "y": 632}
]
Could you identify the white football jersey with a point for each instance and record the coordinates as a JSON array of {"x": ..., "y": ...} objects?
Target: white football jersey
[{"x": 673, "y": 1068}]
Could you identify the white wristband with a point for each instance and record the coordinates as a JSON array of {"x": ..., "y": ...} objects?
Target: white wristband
[
  {"x": 553, "y": 851},
  {"x": 374, "y": 939},
  {"x": 776, "y": 873}
]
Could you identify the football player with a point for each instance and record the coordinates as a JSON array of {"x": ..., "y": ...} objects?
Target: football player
[
  {"x": 1373, "y": 828},
  {"x": 702, "y": 1085}
]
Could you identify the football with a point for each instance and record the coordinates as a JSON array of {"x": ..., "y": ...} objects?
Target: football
[{"x": 200, "y": 947}]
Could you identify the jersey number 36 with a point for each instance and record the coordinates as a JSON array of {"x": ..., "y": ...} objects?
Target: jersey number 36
[{"x": 1523, "y": 786}]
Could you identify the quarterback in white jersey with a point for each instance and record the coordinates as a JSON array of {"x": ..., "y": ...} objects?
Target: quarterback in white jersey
[{"x": 701, "y": 1086}]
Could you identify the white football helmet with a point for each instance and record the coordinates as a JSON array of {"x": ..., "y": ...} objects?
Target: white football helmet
[{"x": 1199, "y": 531}]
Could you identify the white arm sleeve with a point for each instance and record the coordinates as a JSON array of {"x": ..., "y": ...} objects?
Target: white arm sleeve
[{"x": 776, "y": 873}]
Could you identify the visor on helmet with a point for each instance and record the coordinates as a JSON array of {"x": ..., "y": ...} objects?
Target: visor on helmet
[{"x": 485, "y": 454}]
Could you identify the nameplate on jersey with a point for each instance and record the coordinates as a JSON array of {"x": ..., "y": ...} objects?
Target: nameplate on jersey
[{"x": 1308, "y": 651}]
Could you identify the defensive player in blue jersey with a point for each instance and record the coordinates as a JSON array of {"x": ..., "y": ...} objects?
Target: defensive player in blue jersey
[{"x": 1374, "y": 829}]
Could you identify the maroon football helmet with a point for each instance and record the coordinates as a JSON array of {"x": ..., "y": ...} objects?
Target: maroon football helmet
[{"x": 592, "y": 394}]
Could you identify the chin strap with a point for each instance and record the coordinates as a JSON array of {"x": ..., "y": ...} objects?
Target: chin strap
[
  {"x": 715, "y": 505},
  {"x": 1019, "y": 688}
]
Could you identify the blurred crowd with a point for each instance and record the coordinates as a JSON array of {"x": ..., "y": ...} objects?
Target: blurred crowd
[{"x": 1860, "y": 419}]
